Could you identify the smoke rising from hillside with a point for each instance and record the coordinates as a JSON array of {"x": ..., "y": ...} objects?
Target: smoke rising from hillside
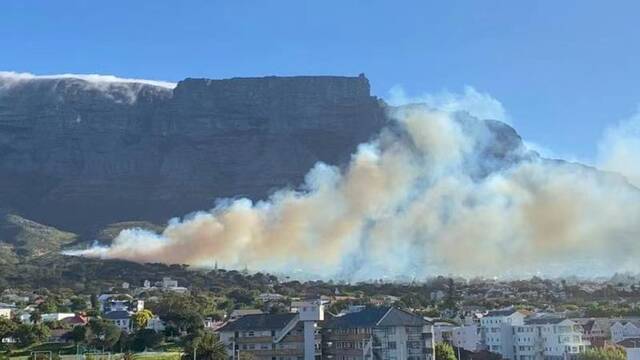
[{"x": 422, "y": 198}]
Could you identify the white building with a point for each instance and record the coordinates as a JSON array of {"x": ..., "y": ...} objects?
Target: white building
[
  {"x": 515, "y": 337},
  {"x": 5, "y": 312},
  {"x": 549, "y": 339},
  {"x": 496, "y": 333},
  {"x": 25, "y": 318}
]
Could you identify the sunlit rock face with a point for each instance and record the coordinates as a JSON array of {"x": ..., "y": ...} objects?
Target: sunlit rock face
[{"x": 78, "y": 154}]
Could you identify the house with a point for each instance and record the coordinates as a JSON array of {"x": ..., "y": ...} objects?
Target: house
[
  {"x": 156, "y": 324},
  {"x": 289, "y": 336},
  {"x": 5, "y": 312},
  {"x": 466, "y": 337},
  {"x": 238, "y": 313},
  {"x": 120, "y": 318},
  {"x": 596, "y": 330},
  {"x": 77, "y": 320},
  {"x": 377, "y": 333},
  {"x": 625, "y": 329},
  {"x": 631, "y": 347},
  {"x": 25, "y": 317},
  {"x": 119, "y": 302}
]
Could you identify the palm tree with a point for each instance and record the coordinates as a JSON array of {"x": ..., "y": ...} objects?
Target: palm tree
[{"x": 207, "y": 346}]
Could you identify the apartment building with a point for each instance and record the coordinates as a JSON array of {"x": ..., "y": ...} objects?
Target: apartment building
[
  {"x": 292, "y": 336},
  {"x": 496, "y": 332},
  {"x": 384, "y": 333},
  {"x": 514, "y": 336}
]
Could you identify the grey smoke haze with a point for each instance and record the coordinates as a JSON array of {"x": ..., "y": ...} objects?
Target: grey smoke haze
[{"x": 411, "y": 203}]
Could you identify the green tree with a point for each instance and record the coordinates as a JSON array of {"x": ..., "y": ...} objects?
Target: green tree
[
  {"x": 141, "y": 318},
  {"x": 27, "y": 334},
  {"x": 146, "y": 339},
  {"x": 79, "y": 334},
  {"x": 444, "y": 351},
  {"x": 102, "y": 333},
  {"x": 207, "y": 346},
  {"x": 7, "y": 327},
  {"x": 78, "y": 303},
  {"x": 35, "y": 317},
  {"x": 605, "y": 353}
]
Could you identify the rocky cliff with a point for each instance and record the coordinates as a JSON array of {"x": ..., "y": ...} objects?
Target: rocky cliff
[{"x": 79, "y": 154}]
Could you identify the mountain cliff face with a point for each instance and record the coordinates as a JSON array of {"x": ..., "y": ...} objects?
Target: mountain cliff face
[{"x": 78, "y": 154}]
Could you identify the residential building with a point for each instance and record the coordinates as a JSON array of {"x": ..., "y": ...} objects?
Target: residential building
[
  {"x": 595, "y": 330},
  {"x": 6, "y": 312},
  {"x": 120, "y": 318},
  {"x": 625, "y": 329},
  {"x": 267, "y": 337},
  {"x": 119, "y": 302},
  {"x": 549, "y": 338},
  {"x": 377, "y": 333},
  {"x": 631, "y": 347},
  {"x": 496, "y": 333},
  {"x": 516, "y": 337},
  {"x": 25, "y": 317}
]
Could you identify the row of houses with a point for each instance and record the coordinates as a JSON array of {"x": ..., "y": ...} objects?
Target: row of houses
[
  {"x": 361, "y": 333},
  {"x": 521, "y": 335}
]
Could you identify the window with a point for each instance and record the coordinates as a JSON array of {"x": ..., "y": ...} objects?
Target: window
[{"x": 392, "y": 345}]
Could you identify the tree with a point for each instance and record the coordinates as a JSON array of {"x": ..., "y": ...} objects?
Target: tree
[
  {"x": 78, "y": 334},
  {"x": 35, "y": 316},
  {"x": 141, "y": 318},
  {"x": 444, "y": 351},
  {"x": 605, "y": 353},
  {"x": 103, "y": 334},
  {"x": 207, "y": 346},
  {"x": 146, "y": 339},
  {"x": 27, "y": 334},
  {"x": 7, "y": 327},
  {"x": 78, "y": 304}
]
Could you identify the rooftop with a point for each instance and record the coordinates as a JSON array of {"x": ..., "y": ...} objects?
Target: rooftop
[{"x": 259, "y": 322}]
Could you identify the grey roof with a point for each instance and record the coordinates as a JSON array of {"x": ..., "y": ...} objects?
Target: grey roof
[
  {"x": 544, "y": 320},
  {"x": 117, "y": 315},
  {"x": 506, "y": 312},
  {"x": 259, "y": 322},
  {"x": 630, "y": 343},
  {"x": 378, "y": 316}
]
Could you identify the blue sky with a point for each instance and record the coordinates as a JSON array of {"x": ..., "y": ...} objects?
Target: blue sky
[{"x": 564, "y": 71}]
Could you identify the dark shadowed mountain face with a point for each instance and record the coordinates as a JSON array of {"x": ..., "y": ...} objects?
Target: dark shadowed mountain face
[{"x": 78, "y": 155}]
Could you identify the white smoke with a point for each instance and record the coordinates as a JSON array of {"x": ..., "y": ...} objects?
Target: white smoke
[
  {"x": 410, "y": 203},
  {"x": 472, "y": 101},
  {"x": 619, "y": 150}
]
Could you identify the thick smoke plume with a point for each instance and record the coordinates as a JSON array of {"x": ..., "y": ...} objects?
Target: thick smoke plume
[{"x": 432, "y": 194}]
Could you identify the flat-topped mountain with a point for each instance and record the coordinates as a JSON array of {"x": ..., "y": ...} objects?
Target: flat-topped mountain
[{"x": 79, "y": 154}]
